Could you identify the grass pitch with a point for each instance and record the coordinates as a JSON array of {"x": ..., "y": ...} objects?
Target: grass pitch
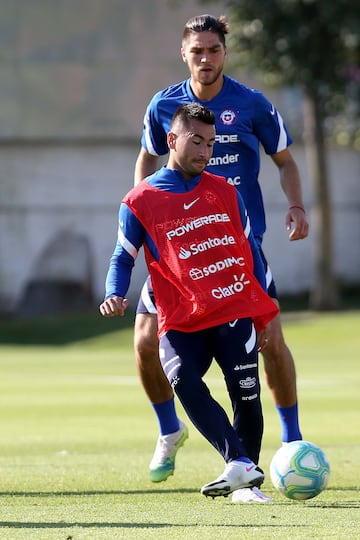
[{"x": 77, "y": 436}]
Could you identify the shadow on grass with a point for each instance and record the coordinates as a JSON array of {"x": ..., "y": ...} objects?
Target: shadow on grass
[
  {"x": 129, "y": 525},
  {"x": 91, "y": 493},
  {"x": 140, "y": 525},
  {"x": 61, "y": 329},
  {"x": 110, "y": 524},
  {"x": 318, "y": 503}
]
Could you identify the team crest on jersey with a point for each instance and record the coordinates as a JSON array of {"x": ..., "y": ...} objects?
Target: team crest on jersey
[{"x": 228, "y": 117}]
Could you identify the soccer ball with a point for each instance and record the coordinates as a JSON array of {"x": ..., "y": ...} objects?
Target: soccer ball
[{"x": 299, "y": 470}]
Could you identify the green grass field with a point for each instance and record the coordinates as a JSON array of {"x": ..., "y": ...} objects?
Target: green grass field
[{"x": 77, "y": 435}]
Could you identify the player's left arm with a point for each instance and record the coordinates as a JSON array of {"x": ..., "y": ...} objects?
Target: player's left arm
[
  {"x": 271, "y": 131},
  {"x": 295, "y": 220}
]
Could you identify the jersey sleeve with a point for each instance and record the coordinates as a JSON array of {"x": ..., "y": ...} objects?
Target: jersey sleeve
[
  {"x": 269, "y": 125},
  {"x": 154, "y": 136},
  {"x": 129, "y": 240}
]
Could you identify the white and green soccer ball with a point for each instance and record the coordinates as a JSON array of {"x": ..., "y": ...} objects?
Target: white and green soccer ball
[{"x": 299, "y": 470}]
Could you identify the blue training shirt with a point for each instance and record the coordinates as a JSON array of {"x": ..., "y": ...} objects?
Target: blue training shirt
[{"x": 244, "y": 120}]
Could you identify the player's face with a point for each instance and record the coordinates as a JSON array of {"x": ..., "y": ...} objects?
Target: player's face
[
  {"x": 205, "y": 55},
  {"x": 192, "y": 148}
]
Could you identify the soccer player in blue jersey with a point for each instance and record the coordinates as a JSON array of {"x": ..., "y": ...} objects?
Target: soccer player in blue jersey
[
  {"x": 210, "y": 286},
  {"x": 245, "y": 119}
]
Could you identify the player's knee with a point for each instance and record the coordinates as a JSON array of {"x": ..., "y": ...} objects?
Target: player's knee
[
  {"x": 275, "y": 350},
  {"x": 146, "y": 342},
  {"x": 185, "y": 388},
  {"x": 145, "y": 346},
  {"x": 186, "y": 384}
]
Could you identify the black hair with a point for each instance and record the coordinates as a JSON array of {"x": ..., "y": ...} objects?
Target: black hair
[
  {"x": 193, "y": 111},
  {"x": 207, "y": 23}
]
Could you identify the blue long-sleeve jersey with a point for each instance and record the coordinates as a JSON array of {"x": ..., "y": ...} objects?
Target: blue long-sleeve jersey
[{"x": 244, "y": 119}]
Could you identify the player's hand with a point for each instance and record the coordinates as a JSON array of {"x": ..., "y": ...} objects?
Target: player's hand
[
  {"x": 113, "y": 306},
  {"x": 296, "y": 223}
]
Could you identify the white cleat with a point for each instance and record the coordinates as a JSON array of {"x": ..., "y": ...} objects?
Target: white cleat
[
  {"x": 163, "y": 462},
  {"x": 250, "y": 495},
  {"x": 237, "y": 474}
]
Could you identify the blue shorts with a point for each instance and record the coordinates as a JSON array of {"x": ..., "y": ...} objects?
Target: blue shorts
[
  {"x": 186, "y": 358},
  {"x": 147, "y": 304}
]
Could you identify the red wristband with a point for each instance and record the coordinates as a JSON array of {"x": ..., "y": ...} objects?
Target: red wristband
[{"x": 296, "y": 206}]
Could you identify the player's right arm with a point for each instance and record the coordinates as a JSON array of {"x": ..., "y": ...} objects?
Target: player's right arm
[
  {"x": 153, "y": 140},
  {"x": 129, "y": 240},
  {"x": 146, "y": 164}
]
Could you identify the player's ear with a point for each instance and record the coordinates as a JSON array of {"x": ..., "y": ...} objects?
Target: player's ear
[
  {"x": 183, "y": 55},
  {"x": 171, "y": 138}
]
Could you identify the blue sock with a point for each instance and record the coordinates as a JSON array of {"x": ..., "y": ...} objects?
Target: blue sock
[
  {"x": 289, "y": 418},
  {"x": 167, "y": 417}
]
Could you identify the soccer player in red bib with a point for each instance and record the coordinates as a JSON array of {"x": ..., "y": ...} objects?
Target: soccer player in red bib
[
  {"x": 245, "y": 120},
  {"x": 210, "y": 289}
]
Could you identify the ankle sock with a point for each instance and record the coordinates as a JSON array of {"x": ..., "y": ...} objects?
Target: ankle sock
[
  {"x": 166, "y": 416},
  {"x": 289, "y": 418}
]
